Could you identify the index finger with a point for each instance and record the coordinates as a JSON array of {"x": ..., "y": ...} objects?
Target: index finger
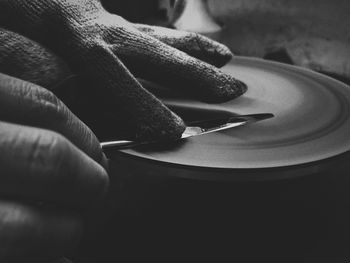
[
  {"x": 25, "y": 103},
  {"x": 151, "y": 59},
  {"x": 43, "y": 166}
]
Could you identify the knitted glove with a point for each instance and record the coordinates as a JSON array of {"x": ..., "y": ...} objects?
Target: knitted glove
[
  {"x": 25, "y": 59},
  {"x": 93, "y": 41}
]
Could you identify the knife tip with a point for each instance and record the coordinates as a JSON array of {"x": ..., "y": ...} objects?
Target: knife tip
[
  {"x": 263, "y": 116},
  {"x": 252, "y": 117}
]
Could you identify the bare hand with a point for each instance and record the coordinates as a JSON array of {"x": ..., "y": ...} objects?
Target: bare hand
[{"x": 51, "y": 171}]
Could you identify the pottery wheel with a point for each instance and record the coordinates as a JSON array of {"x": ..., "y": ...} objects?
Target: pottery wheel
[{"x": 311, "y": 123}]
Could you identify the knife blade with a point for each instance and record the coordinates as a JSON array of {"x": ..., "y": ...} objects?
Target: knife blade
[{"x": 200, "y": 128}]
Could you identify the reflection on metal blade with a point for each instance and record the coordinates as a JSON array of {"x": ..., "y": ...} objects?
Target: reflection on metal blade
[{"x": 201, "y": 128}]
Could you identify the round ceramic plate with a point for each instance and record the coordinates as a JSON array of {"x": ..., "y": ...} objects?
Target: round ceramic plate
[{"x": 311, "y": 123}]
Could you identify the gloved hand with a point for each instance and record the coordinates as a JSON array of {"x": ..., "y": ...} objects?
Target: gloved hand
[
  {"x": 95, "y": 42},
  {"x": 51, "y": 174}
]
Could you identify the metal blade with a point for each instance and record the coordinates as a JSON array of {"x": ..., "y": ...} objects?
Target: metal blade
[
  {"x": 201, "y": 128},
  {"x": 231, "y": 122}
]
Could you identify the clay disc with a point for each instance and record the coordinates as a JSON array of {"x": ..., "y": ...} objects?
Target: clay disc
[{"x": 311, "y": 123}]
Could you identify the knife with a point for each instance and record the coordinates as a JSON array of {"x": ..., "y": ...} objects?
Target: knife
[{"x": 198, "y": 128}]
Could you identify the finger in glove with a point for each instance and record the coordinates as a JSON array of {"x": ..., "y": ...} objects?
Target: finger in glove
[
  {"x": 193, "y": 44},
  {"x": 151, "y": 59},
  {"x": 28, "y": 60},
  {"x": 145, "y": 114}
]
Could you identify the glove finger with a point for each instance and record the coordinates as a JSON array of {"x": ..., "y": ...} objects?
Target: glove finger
[
  {"x": 144, "y": 114},
  {"x": 26, "y": 103},
  {"x": 26, "y": 59},
  {"x": 43, "y": 166},
  {"x": 191, "y": 43},
  {"x": 32, "y": 234},
  {"x": 151, "y": 59}
]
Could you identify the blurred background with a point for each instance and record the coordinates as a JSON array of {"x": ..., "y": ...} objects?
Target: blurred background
[{"x": 310, "y": 33}]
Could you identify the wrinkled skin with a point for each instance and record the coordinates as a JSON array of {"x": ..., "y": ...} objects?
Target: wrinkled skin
[{"x": 53, "y": 171}]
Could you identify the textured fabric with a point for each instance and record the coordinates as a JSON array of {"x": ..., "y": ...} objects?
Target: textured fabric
[
  {"x": 30, "y": 61},
  {"x": 94, "y": 42}
]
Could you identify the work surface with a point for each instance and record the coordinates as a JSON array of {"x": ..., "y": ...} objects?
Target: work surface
[
  {"x": 311, "y": 124},
  {"x": 297, "y": 220},
  {"x": 161, "y": 213}
]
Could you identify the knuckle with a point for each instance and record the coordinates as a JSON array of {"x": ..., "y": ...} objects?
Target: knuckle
[
  {"x": 203, "y": 41},
  {"x": 197, "y": 37},
  {"x": 48, "y": 155},
  {"x": 57, "y": 151},
  {"x": 32, "y": 151},
  {"x": 51, "y": 164},
  {"x": 42, "y": 102},
  {"x": 49, "y": 103},
  {"x": 197, "y": 41}
]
